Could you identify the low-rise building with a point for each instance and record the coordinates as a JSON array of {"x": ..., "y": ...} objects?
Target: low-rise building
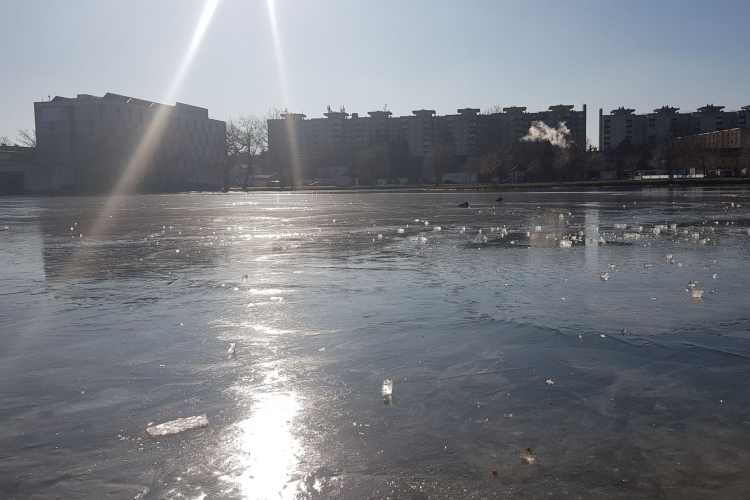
[{"x": 722, "y": 153}]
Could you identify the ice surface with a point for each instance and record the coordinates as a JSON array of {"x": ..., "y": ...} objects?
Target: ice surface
[{"x": 177, "y": 426}]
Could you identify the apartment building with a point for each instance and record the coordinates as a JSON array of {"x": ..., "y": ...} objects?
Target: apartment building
[
  {"x": 88, "y": 141},
  {"x": 665, "y": 123},
  {"x": 296, "y": 139}
]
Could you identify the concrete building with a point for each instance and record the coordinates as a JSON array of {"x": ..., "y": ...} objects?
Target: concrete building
[
  {"x": 88, "y": 141},
  {"x": 298, "y": 144},
  {"x": 621, "y": 124},
  {"x": 665, "y": 123}
]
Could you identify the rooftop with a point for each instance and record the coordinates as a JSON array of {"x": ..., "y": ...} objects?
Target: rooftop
[{"x": 182, "y": 108}]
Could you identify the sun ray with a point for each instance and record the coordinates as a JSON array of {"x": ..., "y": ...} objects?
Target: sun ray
[{"x": 139, "y": 161}]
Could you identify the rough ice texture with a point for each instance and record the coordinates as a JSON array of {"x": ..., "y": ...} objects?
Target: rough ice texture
[{"x": 177, "y": 426}]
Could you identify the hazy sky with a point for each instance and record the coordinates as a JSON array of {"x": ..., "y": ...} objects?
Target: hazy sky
[{"x": 407, "y": 54}]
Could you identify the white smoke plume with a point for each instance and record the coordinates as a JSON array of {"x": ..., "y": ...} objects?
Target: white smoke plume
[{"x": 540, "y": 131}]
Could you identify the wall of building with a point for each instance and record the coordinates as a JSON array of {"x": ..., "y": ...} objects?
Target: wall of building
[{"x": 90, "y": 140}]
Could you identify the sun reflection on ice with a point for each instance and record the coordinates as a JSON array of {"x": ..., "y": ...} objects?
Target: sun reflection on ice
[{"x": 263, "y": 450}]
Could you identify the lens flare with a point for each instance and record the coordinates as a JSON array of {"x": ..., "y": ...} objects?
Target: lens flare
[
  {"x": 295, "y": 162},
  {"x": 152, "y": 138}
]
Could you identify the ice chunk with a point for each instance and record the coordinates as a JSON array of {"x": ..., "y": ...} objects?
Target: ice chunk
[
  {"x": 437, "y": 228},
  {"x": 697, "y": 294},
  {"x": 612, "y": 267},
  {"x": 604, "y": 276},
  {"x": 528, "y": 457},
  {"x": 177, "y": 426},
  {"x": 646, "y": 266},
  {"x": 231, "y": 350},
  {"x": 561, "y": 216},
  {"x": 400, "y": 231},
  {"x": 566, "y": 244},
  {"x": 620, "y": 226},
  {"x": 550, "y": 382},
  {"x": 538, "y": 229},
  {"x": 380, "y": 236},
  {"x": 387, "y": 391}
]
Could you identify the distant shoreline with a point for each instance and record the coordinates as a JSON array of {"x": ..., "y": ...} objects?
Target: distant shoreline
[{"x": 519, "y": 186}]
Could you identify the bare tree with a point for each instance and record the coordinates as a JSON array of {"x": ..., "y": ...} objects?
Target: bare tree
[
  {"x": 493, "y": 110},
  {"x": 5, "y": 141},
  {"x": 247, "y": 138},
  {"x": 745, "y": 160},
  {"x": 26, "y": 138},
  {"x": 439, "y": 161},
  {"x": 371, "y": 163},
  {"x": 496, "y": 162}
]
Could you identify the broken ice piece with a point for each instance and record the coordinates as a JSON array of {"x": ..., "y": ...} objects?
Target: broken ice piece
[
  {"x": 177, "y": 426},
  {"x": 550, "y": 382},
  {"x": 387, "y": 391},
  {"x": 528, "y": 456}
]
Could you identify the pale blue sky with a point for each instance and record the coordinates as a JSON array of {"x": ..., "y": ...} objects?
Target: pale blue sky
[{"x": 406, "y": 54}]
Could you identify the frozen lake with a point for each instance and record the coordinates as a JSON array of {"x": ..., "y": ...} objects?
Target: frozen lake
[{"x": 496, "y": 336}]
